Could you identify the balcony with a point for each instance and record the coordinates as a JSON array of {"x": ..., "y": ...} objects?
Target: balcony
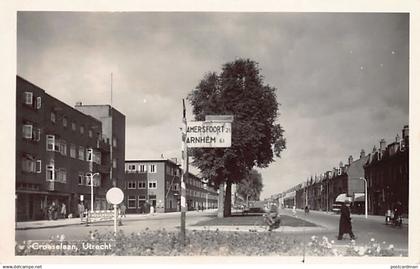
[
  {"x": 101, "y": 168},
  {"x": 103, "y": 145}
]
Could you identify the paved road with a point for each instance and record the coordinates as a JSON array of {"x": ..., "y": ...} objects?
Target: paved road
[
  {"x": 365, "y": 229},
  {"x": 169, "y": 221}
]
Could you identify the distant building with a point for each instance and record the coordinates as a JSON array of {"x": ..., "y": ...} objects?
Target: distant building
[
  {"x": 157, "y": 183},
  {"x": 113, "y": 130},
  {"x": 387, "y": 172},
  {"x": 385, "y": 169},
  {"x": 347, "y": 179},
  {"x": 53, "y": 142}
]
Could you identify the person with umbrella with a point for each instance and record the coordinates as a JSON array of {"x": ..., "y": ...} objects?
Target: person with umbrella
[{"x": 345, "y": 221}]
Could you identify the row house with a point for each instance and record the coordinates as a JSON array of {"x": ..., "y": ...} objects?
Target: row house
[
  {"x": 59, "y": 151},
  {"x": 157, "y": 183},
  {"x": 385, "y": 170}
]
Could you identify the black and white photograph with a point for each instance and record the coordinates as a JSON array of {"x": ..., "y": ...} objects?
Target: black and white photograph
[{"x": 212, "y": 134}]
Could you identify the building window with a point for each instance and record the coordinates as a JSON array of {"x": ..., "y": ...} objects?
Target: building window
[
  {"x": 131, "y": 168},
  {"x": 114, "y": 142},
  {"x": 88, "y": 178},
  {"x": 131, "y": 185},
  {"x": 142, "y": 185},
  {"x": 97, "y": 157},
  {"x": 50, "y": 142},
  {"x": 36, "y": 134},
  {"x": 143, "y": 168},
  {"x": 89, "y": 154},
  {"x": 52, "y": 117},
  {"x": 114, "y": 163},
  {"x": 61, "y": 175},
  {"x": 38, "y": 102},
  {"x": 153, "y": 168},
  {"x": 63, "y": 148},
  {"x": 72, "y": 150},
  {"x": 90, "y": 133},
  {"x": 64, "y": 122},
  {"x": 81, "y": 153},
  {"x": 28, "y": 164},
  {"x": 73, "y": 126},
  {"x": 97, "y": 180},
  {"x": 152, "y": 184},
  {"x": 81, "y": 179},
  {"x": 28, "y": 98},
  {"x": 176, "y": 187},
  {"x": 38, "y": 166},
  {"x": 82, "y": 129},
  {"x": 50, "y": 173},
  {"x": 142, "y": 200},
  {"x": 131, "y": 201},
  {"x": 27, "y": 131}
]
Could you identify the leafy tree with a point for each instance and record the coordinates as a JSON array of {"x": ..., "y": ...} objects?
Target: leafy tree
[
  {"x": 256, "y": 137},
  {"x": 250, "y": 188}
]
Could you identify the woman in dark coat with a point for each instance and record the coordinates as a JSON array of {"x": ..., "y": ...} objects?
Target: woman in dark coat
[{"x": 345, "y": 222}]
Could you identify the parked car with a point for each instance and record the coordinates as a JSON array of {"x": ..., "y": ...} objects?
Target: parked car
[{"x": 255, "y": 207}]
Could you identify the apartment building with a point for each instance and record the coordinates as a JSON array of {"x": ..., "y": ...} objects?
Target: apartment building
[
  {"x": 54, "y": 146},
  {"x": 157, "y": 183},
  {"x": 113, "y": 131}
]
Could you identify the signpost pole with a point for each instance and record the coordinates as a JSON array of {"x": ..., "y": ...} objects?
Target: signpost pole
[
  {"x": 115, "y": 220},
  {"x": 184, "y": 173}
]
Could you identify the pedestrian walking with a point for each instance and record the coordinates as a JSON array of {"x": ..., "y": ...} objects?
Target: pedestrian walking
[
  {"x": 81, "y": 209},
  {"x": 306, "y": 210},
  {"x": 152, "y": 210},
  {"x": 63, "y": 211},
  {"x": 52, "y": 211},
  {"x": 122, "y": 210},
  {"x": 345, "y": 222}
]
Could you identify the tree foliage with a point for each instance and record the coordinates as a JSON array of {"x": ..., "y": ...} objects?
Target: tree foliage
[
  {"x": 250, "y": 188},
  {"x": 256, "y": 137}
]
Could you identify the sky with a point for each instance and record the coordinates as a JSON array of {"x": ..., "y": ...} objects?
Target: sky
[{"x": 342, "y": 79}]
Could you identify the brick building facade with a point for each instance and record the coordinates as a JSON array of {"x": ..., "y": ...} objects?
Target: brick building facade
[{"x": 53, "y": 141}]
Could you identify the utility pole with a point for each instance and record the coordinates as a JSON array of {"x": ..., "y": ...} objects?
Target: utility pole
[{"x": 184, "y": 172}]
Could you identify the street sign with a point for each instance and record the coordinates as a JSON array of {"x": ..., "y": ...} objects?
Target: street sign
[
  {"x": 204, "y": 134},
  {"x": 115, "y": 196},
  {"x": 219, "y": 118}
]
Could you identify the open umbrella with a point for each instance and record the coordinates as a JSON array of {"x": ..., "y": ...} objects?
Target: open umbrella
[{"x": 342, "y": 198}]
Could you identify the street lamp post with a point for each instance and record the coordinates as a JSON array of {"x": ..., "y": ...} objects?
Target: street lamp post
[
  {"x": 366, "y": 197},
  {"x": 91, "y": 190}
]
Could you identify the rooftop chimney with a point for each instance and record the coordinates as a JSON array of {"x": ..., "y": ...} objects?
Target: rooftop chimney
[
  {"x": 362, "y": 153},
  {"x": 382, "y": 144},
  {"x": 79, "y": 104},
  {"x": 350, "y": 159},
  {"x": 341, "y": 164}
]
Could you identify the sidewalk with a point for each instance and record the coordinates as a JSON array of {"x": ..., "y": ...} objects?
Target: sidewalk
[
  {"x": 40, "y": 224},
  {"x": 376, "y": 218}
]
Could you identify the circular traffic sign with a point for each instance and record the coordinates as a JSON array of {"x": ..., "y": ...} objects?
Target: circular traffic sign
[{"x": 114, "y": 196}]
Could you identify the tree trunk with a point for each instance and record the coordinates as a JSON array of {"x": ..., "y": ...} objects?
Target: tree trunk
[{"x": 228, "y": 200}]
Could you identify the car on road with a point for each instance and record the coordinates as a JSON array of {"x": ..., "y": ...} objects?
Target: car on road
[{"x": 255, "y": 207}]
